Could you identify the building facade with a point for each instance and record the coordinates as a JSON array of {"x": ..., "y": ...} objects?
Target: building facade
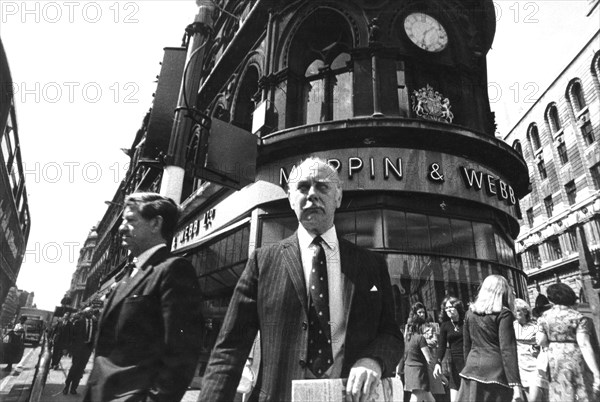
[
  {"x": 15, "y": 221},
  {"x": 391, "y": 93},
  {"x": 559, "y": 137},
  {"x": 84, "y": 262}
]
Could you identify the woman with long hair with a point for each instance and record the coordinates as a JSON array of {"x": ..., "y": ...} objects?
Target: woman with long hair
[
  {"x": 451, "y": 334},
  {"x": 490, "y": 373},
  {"x": 417, "y": 356},
  {"x": 574, "y": 371},
  {"x": 527, "y": 350}
]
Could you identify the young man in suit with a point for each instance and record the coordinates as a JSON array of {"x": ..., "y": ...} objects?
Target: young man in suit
[
  {"x": 324, "y": 306},
  {"x": 150, "y": 330},
  {"x": 82, "y": 344}
]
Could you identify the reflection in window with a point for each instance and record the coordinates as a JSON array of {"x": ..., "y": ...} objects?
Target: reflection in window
[
  {"x": 485, "y": 248},
  {"x": 395, "y": 229},
  {"x": 429, "y": 279},
  {"x": 417, "y": 232}
]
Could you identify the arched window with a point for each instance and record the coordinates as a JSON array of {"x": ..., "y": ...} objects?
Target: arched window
[
  {"x": 517, "y": 147},
  {"x": 533, "y": 136},
  {"x": 595, "y": 70},
  {"x": 575, "y": 96},
  {"x": 320, "y": 59},
  {"x": 245, "y": 99},
  {"x": 552, "y": 118},
  {"x": 328, "y": 89}
]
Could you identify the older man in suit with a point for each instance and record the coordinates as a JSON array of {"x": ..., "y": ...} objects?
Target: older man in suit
[
  {"x": 150, "y": 330},
  {"x": 324, "y": 307}
]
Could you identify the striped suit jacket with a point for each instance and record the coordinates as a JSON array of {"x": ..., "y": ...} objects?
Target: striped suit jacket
[{"x": 271, "y": 296}]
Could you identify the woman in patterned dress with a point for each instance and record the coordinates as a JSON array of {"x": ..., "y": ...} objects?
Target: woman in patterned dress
[
  {"x": 527, "y": 350},
  {"x": 574, "y": 371},
  {"x": 417, "y": 356}
]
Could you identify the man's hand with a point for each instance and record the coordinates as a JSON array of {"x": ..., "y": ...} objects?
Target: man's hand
[{"x": 364, "y": 376}]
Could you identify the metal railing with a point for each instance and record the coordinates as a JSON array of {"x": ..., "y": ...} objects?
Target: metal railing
[{"x": 41, "y": 371}]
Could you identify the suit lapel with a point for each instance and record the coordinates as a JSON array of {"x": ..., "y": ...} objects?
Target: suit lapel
[
  {"x": 123, "y": 290},
  {"x": 293, "y": 265},
  {"x": 350, "y": 269}
]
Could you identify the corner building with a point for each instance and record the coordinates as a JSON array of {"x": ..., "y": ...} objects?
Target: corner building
[
  {"x": 394, "y": 95},
  {"x": 559, "y": 137}
]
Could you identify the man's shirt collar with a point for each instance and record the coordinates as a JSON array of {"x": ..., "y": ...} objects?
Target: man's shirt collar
[
  {"x": 329, "y": 237},
  {"x": 145, "y": 256}
]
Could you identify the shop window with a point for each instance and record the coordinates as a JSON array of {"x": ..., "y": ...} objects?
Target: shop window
[
  {"x": 363, "y": 228},
  {"x": 595, "y": 172},
  {"x": 462, "y": 238},
  {"x": 441, "y": 235},
  {"x": 562, "y": 153},
  {"x": 319, "y": 53},
  {"x": 417, "y": 231},
  {"x": 429, "y": 279},
  {"x": 575, "y": 96},
  {"x": 220, "y": 263},
  {"x": 517, "y": 147},
  {"x": 485, "y": 247},
  {"x": 549, "y": 205},
  {"x": 542, "y": 169},
  {"x": 571, "y": 191},
  {"x": 533, "y": 136},
  {"x": 554, "y": 250},
  {"x": 552, "y": 118},
  {"x": 504, "y": 251},
  {"x": 588, "y": 133},
  {"x": 394, "y": 229},
  {"x": 530, "y": 217}
]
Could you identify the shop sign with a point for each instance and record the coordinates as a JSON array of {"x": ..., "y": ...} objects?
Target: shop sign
[
  {"x": 393, "y": 168},
  {"x": 195, "y": 229}
]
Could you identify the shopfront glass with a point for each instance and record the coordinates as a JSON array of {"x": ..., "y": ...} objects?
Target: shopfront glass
[{"x": 429, "y": 257}]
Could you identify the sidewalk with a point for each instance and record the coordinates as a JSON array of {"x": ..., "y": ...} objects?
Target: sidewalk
[{"x": 55, "y": 383}]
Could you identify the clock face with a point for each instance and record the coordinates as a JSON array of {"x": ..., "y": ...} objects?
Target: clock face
[{"x": 426, "y": 32}]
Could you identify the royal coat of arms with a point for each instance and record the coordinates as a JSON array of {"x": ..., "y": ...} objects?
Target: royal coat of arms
[{"x": 431, "y": 105}]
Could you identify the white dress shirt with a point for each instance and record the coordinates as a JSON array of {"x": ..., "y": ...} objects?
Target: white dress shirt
[{"x": 335, "y": 284}]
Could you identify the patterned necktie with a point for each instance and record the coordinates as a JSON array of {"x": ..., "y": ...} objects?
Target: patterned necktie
[{"x": 320, "y": 355}]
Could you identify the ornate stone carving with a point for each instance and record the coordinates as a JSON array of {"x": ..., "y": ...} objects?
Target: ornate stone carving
[{"x": 431, "y": 105}]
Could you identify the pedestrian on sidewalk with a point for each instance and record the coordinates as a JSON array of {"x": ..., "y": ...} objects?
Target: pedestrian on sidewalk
[
  {"x": 84, "y": 332},
  {"x": 149, "y": 334},
  {"x": 61, "y": 338},
  {"x": 16, "y": 344}
]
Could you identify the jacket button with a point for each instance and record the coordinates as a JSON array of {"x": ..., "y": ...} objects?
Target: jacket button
[
  {"x": 302, "y": 363},
  {"x": 304, "y": 325}
]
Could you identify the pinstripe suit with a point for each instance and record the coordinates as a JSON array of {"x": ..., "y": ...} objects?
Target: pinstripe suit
[{"x": 271, "y": 296}]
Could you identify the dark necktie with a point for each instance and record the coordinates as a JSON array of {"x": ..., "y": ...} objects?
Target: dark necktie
[{"x": 320, "y": 355}]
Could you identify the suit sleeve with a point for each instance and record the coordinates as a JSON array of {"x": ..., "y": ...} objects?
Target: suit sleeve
[
  {"x": 182, "y": 323},
  {"x": 235, "y": 339},
  {"x": 508, "y": 347},
  {"x": 388, "y": 346}
]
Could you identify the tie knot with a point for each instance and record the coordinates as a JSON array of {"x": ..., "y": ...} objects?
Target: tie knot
[{"x": 317, "y": 241}]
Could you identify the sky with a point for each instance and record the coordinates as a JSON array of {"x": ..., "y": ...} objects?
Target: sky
[{"x": 84, "y": 73}]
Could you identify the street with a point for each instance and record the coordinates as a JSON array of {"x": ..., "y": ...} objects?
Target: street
[{"x": 15, "y": 386}]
